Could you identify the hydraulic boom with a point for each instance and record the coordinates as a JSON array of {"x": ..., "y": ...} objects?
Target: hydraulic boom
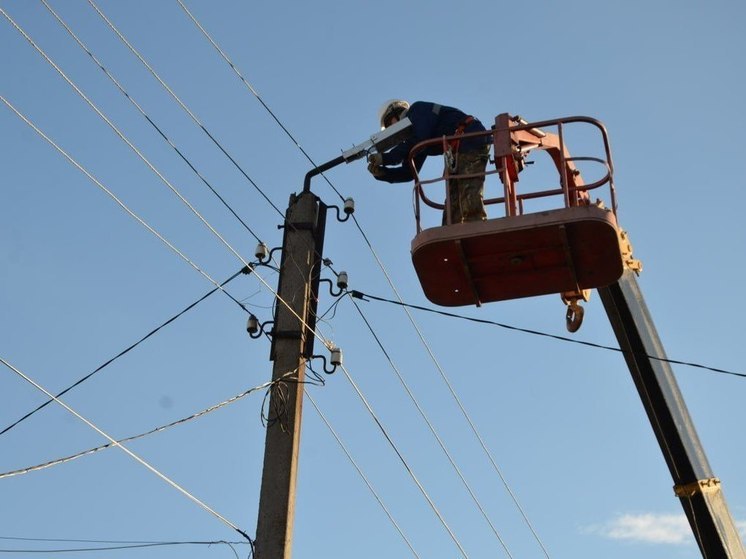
[{"x": 694, "y": 483}]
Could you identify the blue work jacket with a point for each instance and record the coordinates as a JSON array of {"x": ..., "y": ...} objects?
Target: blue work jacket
[{"x": 429, "y": 120}]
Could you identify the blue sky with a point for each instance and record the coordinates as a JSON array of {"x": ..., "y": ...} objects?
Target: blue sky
[{"x": 81, "y": 280}]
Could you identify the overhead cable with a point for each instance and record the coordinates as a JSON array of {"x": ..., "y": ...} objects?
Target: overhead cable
[
  {"x": 120, "y": 546},
  {"x": 121, "y": 353},
  {"x": 181, "y": 104},
  {"x": 404, "y": 462},
  {"x": 145, "y": 115},
  {"x": 127, "y": 451},
  {"x": 150, "y": 165},
  {"x": 472, "y": 425},
  {"x": 254, "y": 92},
  {"x": 279, "y": 299},
  {"x": 124, "y": 138},
  {"x": 360, "y": 294},
  {"x": 72, "y": 457},
  {"x": 110, "y": 193},
  {"x": 430, "y": 426},
  {"x": 115, "y": 542},
  {"x": 359, "y": 227},
  {"x": 362, "y": 475}
]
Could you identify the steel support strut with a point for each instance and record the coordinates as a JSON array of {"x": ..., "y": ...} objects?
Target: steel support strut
[{"x": 694, "y": 483}]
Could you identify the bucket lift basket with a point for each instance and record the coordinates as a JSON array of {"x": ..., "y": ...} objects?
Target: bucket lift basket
[{"x": 567, "y": 250}]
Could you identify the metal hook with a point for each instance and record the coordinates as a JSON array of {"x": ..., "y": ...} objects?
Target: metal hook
[
  {"x": 348, "y": 209},
  {"x": 342, "y": 280},
  {"x": 574, "y": 316},
  {"x": 335, "y": 359},
  {"x": 253, "y": 327}
]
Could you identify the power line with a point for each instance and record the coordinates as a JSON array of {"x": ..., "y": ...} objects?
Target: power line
[
  {"x": 286, "y": 131},
  {"x": 109, "y": 192},
  {"x": 362, "y": 475},
  {"x": 181, "y": 104},
  {"x": 361, "y": 295},
  {"x": 120, "y": 546},
  {"x": 440, "y": 442},
  {"x": 257, "y": 97},
  {"x": 399, "y": 455},
  {"x": 74, "y": 540},
  {"x": 253, "y": 91},
  {"x": 463, "y": 410},
  {"x": 404, "y": 461},
  {"x": 98, "y": 183},
  {"x": 186, "y": 108},
  {"x": 122, "y": 353},
  {"x": 127, "y": 451},
  {"x": 360, "y": 229},
  {"x": 362, "y": 232},
  {"x": 121, "y": 135},
  {"x": 145, "y": 115},
  {"x": 72, "y": 457},
  {"x": 144, "y": 159}
]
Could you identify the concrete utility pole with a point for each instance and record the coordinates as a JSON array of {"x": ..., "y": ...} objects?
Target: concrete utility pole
[{"x": 292, "y": 340}]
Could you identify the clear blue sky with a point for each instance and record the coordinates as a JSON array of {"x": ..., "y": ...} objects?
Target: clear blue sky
[{"x": 80, "y": 280}]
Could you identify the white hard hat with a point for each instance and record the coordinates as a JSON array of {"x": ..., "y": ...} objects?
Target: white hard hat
[{"x": 389, "y": 108}]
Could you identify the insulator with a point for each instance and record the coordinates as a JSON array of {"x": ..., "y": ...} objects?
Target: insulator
[
  {"x": 349, "y": 206},
  {"x": 261, "y": 252},
  {"x": 342, "y": 280},
  {"x": 336, "y": 357},
  {"x": 252, "y": 325}
]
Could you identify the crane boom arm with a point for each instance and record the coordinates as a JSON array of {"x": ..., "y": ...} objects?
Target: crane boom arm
[{"x": 694, "y": 483}]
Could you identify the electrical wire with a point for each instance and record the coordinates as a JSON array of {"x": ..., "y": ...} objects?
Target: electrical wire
[
  {"x": 121, "y": 353},
  {"x": 362, "y": 475},
  {"x": 254, "y": 92},
  {"x": 303, "y": 322},
  {"x": 115, "y": 542},
  {"x": 472, "y": 425},
  {"x": 93, "y": 450},
  {"x": 360, "y": 294},
  {"x": 128, "y": 451},
  {"x": 360, "y": 229},
  {"x": 566, "y": 339},
  {"x": 196, "y": 120},
  {"x": 123, "y": 545},
  {"x": 145, "y": 115},
  {"x": 112, "y": 195},
  {"x": 132, "y": 146},
  {"x": 430, "y": 426},
  {"x": 243, "y": 80},
  {"x": 181, "y": 104},
  {"x": 108, "y": 22},
  {"x": 404, "y": 461},
  {"x": 121, "y": 135}
]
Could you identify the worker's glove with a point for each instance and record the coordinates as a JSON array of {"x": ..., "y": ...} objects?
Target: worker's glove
[
  {"x": 375, "y": 159},
  {"x": 376, "y": 170}
]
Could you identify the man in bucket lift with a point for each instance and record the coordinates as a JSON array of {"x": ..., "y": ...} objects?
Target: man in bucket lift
[{"x": 469, "y": 156}]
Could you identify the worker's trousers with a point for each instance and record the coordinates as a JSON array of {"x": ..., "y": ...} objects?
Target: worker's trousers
[{"x": 466, "y": 195}]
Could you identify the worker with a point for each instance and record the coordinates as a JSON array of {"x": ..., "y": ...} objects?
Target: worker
[{"x": 468, "y": 156}]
